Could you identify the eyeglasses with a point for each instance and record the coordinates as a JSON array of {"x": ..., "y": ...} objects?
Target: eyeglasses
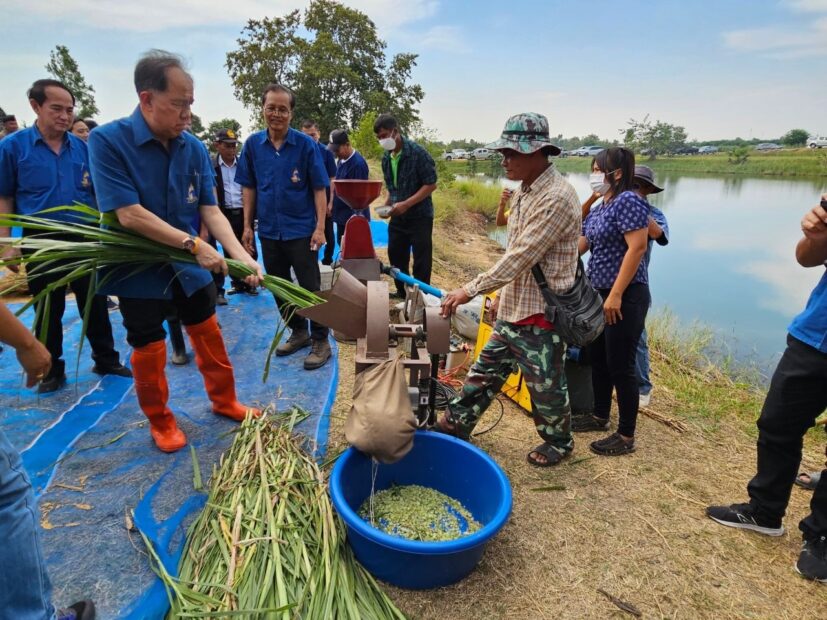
[{"x": 277, "y": 111}]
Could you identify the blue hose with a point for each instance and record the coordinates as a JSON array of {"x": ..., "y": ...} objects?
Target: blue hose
[{"x": 403, "y": 277}]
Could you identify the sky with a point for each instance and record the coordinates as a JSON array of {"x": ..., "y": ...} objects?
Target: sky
[{"x": 719, "y": 68}]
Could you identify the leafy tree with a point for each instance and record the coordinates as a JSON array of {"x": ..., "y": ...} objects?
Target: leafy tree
[
  {"x": 197, "y": 128},
  {"x": 64, "y": 68},
  {"x": 364, "y": 140},
  {"x": 795, "y": 137},
  {"x": 332, "y": 58},
  {"x": 225, "y": 123},
  {"x": 739, "y": 155},
  {"x": 653, "y": 137}
]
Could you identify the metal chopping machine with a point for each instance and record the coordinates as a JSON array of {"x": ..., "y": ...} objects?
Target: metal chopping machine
[{"x": 358, "y": 306}]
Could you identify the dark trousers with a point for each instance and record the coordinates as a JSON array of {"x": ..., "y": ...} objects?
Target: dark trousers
[
  {"x": 613, "y": 359},
  {"x": 410, "y": 235},
  {"x": 330, "y": 238},
  {"x": 144, "y": 318},
  {"x": 340, "y": 232},
  {"x": 797, "y": 396},
  {"x": 236, "y": 219},
  {"x": 98, "y": 329},
  {"x": 279, "y": 257}
]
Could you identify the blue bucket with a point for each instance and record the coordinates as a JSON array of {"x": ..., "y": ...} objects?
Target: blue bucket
[{"x": 449, "y": 465}]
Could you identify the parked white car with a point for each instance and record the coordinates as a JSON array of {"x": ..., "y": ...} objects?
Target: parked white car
[
  {"x": 455, "y": 154},
  {"x": 482, "y": 154},
  {"x": 705, "y": 150},
  {"x": 817, "y": 142},
  {"x": 588, "y": 151}
]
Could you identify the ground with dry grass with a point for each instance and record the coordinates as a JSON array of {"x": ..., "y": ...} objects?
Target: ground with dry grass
[{"x": 631, "y": 526}]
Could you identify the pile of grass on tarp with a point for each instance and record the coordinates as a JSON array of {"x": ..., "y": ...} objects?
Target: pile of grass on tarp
[
  {"x": 94, "y": 243},
  {"x": 268, "y": 543}
]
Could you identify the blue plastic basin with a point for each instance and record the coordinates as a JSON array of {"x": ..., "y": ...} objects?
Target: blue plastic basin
[{"x": 446, "y": 464}]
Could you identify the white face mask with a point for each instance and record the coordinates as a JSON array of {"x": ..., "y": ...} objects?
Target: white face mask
[
  {"x": 387, "y": 143},
  {"x": 597, "y": 180}
]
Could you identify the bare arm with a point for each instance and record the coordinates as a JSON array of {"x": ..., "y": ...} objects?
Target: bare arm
[
  {"x": 219, "y": 227},
  {"x": 655, "y": 231},
  {"x": 636, "y": 242},
  {"x": 317, "y": 239},
  {"x": 583, "y": 245},
  {"x": 587, "y": 206},
  {"x": 421, "y": 194},
  {"x": 502, "y": 218},
  {"x": 811, "y": 251},
  {"x": 32, "y": 355},
  {"x": 7, "y": 208},
  {"x": 248, "y": 200}
]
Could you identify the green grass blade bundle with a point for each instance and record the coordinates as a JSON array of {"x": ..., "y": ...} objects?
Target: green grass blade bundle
[
  {"x": 269, "y": 539},
  {"x": 99, "y": 242}
]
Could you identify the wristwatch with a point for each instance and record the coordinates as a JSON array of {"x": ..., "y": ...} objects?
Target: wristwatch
[{"x": 190, "y": 244}]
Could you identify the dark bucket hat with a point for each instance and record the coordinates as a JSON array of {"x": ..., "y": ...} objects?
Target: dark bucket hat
[
  {"x": 525, "y": 133},
  {"x": 647, "y": 175}
]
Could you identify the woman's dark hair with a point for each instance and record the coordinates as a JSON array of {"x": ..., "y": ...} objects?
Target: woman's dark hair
[
  {"x": 78, "y": 120},
  {"x": 272, "y": 87},
  {"x": 385, "y": 121},
  {"x": 38, "y": 90},
  {"x": 90, "y": 123},
  {"x": 151, "y": 70},
  {"x": 617, "y": 158}
]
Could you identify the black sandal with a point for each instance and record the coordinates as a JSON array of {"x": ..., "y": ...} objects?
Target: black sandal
[
  {"x": 553, "y": 456},
  {"x": 613, "y": 445}
]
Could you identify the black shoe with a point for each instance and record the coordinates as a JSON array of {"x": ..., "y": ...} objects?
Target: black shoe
[
  {"x": 613, "y": 445},
  {"x": 220, "y": 300},
  {"x": 743, "y": 516},
  {"x": 298, "y": 339},
  {"x": 812, "y": 563},
  {"x": 318, "y": 356},
  {"x": 82, "y": 610},
  {"x": 252, "y": 291},
  {"x": 120, "y": 370},
  {"x": 586, "y": 423},
  {"x": 52, "y": 384},
  {"x": 111, "y": 304}
]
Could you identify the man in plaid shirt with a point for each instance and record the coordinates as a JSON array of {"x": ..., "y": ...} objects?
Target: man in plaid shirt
[{"x": 543, "y": 228}]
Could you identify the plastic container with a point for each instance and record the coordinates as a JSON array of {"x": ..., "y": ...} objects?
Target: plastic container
[{"x": 444, "y": 463}]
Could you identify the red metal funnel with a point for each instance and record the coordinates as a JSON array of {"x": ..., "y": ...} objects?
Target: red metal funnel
[{"x": 357, "y": 193}]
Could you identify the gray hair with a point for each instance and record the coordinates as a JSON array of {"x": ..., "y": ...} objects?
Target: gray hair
[{"x": 151, "y": 70}]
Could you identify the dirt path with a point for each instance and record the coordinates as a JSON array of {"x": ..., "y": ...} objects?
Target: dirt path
[{"x": 633, "y": 526}]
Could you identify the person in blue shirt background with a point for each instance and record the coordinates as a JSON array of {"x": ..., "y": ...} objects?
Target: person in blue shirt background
[
  {"x": 658, "y": 233},
  {"x": 41, "y": 167},
  {"x": 797, "y": 396},
  {"x": 351, "y": 165},
  {"x": 156, "y": 177},
  {"x": 311, "y": 128},
  {"x": 284, "y": 180}
]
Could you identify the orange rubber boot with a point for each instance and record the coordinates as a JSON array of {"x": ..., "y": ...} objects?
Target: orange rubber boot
[
  {"x": 153, "y": 393},
  {"x": 214, "y": 364}
]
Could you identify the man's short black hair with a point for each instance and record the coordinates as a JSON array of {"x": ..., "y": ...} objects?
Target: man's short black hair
[
  {"x": 308, "y": 123},
  {"x": 385, "y": 121},
  {"x": 38, "y": 90},
  {"x": 272, "y": 87},
  {"x": 151, "y": 70},
  {"x": 90, "y": 123}
]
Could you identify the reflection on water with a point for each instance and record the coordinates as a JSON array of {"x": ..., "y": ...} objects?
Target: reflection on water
[{"x": 730, "y": 263}]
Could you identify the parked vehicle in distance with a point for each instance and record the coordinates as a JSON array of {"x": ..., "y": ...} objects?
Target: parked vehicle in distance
[
  {"x": 706, "y": 150},
  {"x": 455, "y": 154},
  {"x": 687, "y": 150},
  {"x": 768, "y": 146},
  {"x": 817, "y": 142},
  {"x": 587, "y": 151},
  {"x": 482, "y": 153}
]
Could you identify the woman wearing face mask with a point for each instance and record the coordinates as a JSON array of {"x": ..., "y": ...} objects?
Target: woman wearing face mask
[
  {"x": 615, "y": 232},
  {"x": 80, "y": 129}
]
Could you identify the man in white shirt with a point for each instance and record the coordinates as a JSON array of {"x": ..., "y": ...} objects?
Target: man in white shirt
[{"x": 229, "y": 197}]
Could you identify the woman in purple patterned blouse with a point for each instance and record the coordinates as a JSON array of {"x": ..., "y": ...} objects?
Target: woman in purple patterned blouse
[{"x": 616, "y": 233}]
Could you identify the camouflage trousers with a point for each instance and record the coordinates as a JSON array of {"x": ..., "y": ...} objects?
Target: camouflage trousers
[{"x": 540, "y": 355}]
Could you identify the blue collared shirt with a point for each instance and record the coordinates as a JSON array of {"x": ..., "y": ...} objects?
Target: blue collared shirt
[
  {"x": 284, "y": 181},
  {"x": 810, "y": 327},
  {"x": 130, "y": 166},
  {"x": 354, "y": 167},
  {"x": 38, "y": 178}
]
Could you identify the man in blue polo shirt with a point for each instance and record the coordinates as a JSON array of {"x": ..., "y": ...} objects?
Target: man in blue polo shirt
[
  {"x": 797, "y": 396},
  {"x": 351, "y": 165},
  {"x": 284, "y": 180},
  {"x": 156, "y": 177},
  {"x": 41, "y": 167}
]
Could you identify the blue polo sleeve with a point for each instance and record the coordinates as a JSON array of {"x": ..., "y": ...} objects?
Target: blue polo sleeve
[
  {"x": 8, "y": 169},
  {"x": 329, "y": 162},
  {"x": 631, "y": 212},
  {"x": 660, "y": 220},
  {"x": 360, "y": 170},
  {"x": 207, "y": 195},
  {"x": 316, "y": 169},
  {"x": 426, "y": 168},
  {"x": 114, "y": 187},
  {"x": 245, "y": 175}
]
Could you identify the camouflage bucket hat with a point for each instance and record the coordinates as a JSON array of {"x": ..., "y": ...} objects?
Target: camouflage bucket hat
[{"x": 525, "y": 133}]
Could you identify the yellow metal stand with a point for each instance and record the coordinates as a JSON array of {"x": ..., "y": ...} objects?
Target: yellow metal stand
[{"x": 514, "y": 386}]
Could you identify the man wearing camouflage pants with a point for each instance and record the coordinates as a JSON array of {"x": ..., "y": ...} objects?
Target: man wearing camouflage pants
[{"x": 543, "y": 228}]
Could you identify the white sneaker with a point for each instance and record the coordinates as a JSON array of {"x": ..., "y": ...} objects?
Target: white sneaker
[{"x": 645, "y": 399}]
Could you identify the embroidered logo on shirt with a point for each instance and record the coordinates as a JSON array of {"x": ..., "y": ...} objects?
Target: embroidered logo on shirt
[
  {"x": 295, "y": 176},
  {"x": 84, "y": 181},
  {"x": 191, "y": 197}
]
